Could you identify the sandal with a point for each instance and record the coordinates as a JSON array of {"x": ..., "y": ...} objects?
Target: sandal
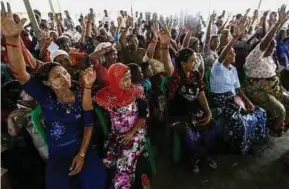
[
  {"x": 195, "y": 165},
  {"x": 212, "y": 163}
]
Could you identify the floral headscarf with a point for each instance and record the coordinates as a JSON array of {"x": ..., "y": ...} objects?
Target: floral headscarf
[{"x": 113, "y": 96}]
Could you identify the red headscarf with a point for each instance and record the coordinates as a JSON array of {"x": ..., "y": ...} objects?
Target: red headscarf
[{"x": 113, "y": 96}]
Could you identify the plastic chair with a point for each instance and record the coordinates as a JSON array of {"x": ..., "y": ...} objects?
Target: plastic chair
[
  {"x": 103, "y": 121},
  {"x": 176, "y": 137},
  {"x": 36, "y": 121}
]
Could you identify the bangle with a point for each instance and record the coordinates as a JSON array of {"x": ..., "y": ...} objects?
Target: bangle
[
  {"x": 82, "y": 155},
  {"x": 164, "y": 46},
  {"x": 88, "y": 87},
  {"x": 13, "y": 45},
  {"x": 153, "y": 41}
]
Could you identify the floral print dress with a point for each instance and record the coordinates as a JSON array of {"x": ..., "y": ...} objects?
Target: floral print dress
[{"x": 124, "y": 157}]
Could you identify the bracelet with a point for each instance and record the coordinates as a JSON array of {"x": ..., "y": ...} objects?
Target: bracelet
[
  {"x": 13, "y": 45},
  {"x": 82, "y": 155},
  {"x": 88, "y": 87},
  {"x": 153, "y": 41},
  {"x": 165, "y": 47}
]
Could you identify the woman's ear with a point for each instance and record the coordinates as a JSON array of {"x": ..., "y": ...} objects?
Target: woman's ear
[{"x": 47, "y": 83}]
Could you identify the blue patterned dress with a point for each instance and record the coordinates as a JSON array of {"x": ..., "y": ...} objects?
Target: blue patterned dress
[
  {"x": 242, "y": 128},
  {"x": 64, "y": 125}
]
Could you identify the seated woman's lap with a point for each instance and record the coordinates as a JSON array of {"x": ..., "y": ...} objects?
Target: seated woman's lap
[
  {"x": 273, "y": 105},
  {"x": 58, "y": 166}
]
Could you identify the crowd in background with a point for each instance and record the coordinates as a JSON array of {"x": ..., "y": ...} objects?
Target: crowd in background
[{"x": 95, "y": 98}]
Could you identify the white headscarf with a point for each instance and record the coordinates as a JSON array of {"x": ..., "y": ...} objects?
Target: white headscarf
[{"x": 54, "y": 54}]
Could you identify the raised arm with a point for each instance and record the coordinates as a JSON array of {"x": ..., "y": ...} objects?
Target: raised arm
[
  {"x": 12, "y": 31},
  {"x": 89, "y": 25},
  {"x": 209, "y": 28},
  {"x": 283, "y": 17},
  {"x": 122, "y": 38},
  {"x": 165, "y": 37},
  {"x": 240, "y": 29},
  {"x": 152, "y": 45},
  {"x": 192, "y": 24}
]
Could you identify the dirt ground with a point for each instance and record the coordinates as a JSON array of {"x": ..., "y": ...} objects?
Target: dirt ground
[{"x": 262, "y": 170}]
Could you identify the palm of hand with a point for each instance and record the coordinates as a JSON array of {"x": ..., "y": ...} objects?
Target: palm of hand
[
  {"x": 9, "y": 27},
  {"x": 89, "y": 77},
  {"x": 283, "y": 15},
  {"x": 164, "y": 37}
]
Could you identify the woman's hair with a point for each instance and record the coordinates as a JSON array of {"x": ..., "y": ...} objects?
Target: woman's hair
[
  {"x": 61, "y": 40},
  {"x": 183, "y": 56},
  {"x": 144, "y": 66},
  {"x": 133, "y": 67},
  {"x": 43, "y": 72}
]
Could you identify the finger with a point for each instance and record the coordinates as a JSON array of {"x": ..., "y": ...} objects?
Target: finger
[
  {"x": 22, "y": 21},
  {"x": 72, "y": 165},
  {"x": 9, "y": 8},
  {"x": 3, "y": 10},
  {"x": 74, "y": 171}
]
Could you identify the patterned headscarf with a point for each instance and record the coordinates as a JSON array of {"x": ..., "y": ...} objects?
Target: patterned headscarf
[{"x": 113, "y": 96}]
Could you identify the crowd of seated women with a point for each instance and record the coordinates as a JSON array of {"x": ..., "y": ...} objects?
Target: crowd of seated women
[{"x": 97, "y": 98}]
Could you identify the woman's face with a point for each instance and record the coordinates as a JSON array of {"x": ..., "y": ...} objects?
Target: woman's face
[
  {"x": 231, "y": 56},
  {"x": 65, "y": 46},
  {"x": 148, "y": 72},
  {"x": 215, "y": 42},
  {"x": 190, "y": 64},
  {"x": 137, "y": 76},
  {"x": 53, "y": 36},
  {"x": 111, "y": 57},
  {"x": 133, "y": 43},
  {"x": 63, "y": 60},
  {"x": 196, "y": 47},
  {"x": 59, "y": 78},
  {"x": 125, "y": 82}
]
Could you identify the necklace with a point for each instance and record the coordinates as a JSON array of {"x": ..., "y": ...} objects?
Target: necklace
[{"x": 66, "y": 107}]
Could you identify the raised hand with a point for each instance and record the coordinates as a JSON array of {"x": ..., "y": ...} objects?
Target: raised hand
[
  {"x": 129, "y": 22},
  {"x": 10, "y": 28},
  {"x": 164, "y": 36},
  {"x": 247, "y": 12},
  {"x": 155, "y": 28},
  {"x": 90, "y": 17},
  {"x": 56, "y": 18},
  {"x": 283, "y": 15},
  {"x": 213, "y": 16},
  {"x": 241, "y": 27},
  {"x": 265, "y": 14},
  {"x": 256, "y": 13},
  {"x": 89, "y": 77},
  {"x": 119, "y": 21}
]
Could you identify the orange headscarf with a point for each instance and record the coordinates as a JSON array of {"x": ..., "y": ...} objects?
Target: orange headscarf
[{"x": 113, "y": 96}]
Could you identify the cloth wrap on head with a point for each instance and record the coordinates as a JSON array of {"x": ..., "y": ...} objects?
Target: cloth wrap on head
[{"x": 54, "y": 54}]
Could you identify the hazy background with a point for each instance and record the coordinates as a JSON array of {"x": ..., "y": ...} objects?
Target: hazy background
[{"x": 165, "y": 7}]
